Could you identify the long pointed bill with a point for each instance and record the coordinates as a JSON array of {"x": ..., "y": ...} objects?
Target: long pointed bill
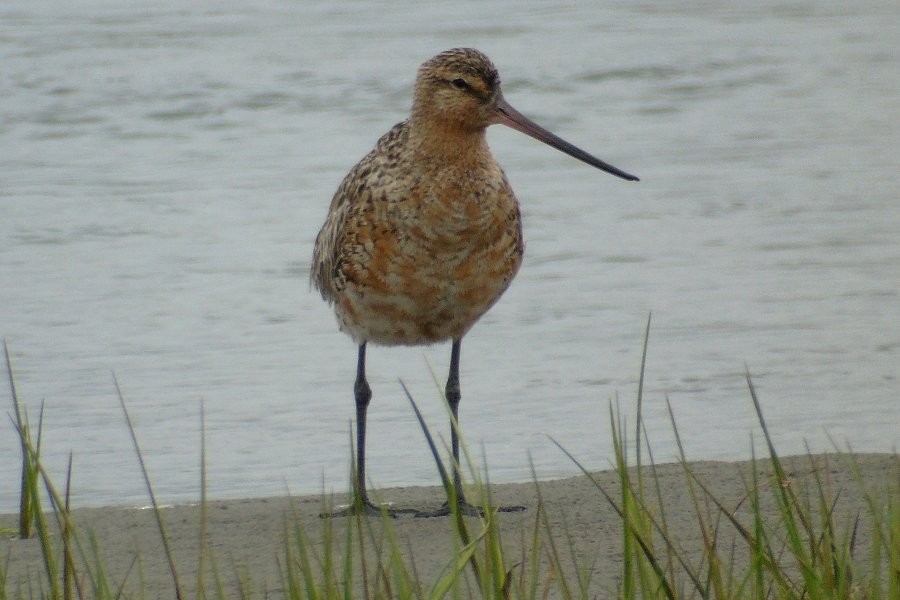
[{"x": 507, "y": 115}]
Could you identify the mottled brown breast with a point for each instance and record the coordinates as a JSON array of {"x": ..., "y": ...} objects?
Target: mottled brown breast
[{"x": 415, "y": 250}]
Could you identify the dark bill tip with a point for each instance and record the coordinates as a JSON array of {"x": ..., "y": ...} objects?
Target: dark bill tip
[{"x": 507, "y": 115}]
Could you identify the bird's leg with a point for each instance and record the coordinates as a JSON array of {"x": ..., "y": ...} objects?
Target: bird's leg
[
  {"x": 362, "y": 394},
  {"x": 453, "y": 396}
]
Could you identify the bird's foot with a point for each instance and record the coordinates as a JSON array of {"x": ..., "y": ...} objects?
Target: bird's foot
[
  {"x": 513, "y": 508},
  {"x": 464, "y": 508},
  {"x": 367, "y": 509}
]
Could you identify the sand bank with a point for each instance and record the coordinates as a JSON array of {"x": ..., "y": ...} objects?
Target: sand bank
[{"x": 247, "y": 537}]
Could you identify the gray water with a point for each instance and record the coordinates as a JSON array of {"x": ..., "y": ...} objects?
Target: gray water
[{"x": 165, "y": 167}]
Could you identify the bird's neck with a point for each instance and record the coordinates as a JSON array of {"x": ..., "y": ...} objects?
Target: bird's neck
[{"x": 448, "y": 142}]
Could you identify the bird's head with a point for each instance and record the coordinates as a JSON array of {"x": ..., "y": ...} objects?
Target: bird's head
[
  {"x": 458, "y": 94},
  {"x": 457, "y": 88}
]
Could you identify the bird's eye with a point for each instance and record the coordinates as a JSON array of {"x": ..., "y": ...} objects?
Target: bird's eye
[{"x": 460, "y": 84}]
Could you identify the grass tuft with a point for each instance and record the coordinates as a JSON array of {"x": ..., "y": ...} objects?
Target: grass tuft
[
  {"x": 29, "y": 496},
  {"x": 738, "y": 550}
]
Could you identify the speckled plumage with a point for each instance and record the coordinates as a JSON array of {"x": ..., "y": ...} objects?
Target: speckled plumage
[{"x": 424, "y": 234}]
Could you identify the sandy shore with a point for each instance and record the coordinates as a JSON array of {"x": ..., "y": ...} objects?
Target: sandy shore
[{"x": 247, "y": 537}]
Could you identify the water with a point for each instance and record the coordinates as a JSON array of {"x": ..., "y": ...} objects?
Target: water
[{"x": 165, "y": 168}]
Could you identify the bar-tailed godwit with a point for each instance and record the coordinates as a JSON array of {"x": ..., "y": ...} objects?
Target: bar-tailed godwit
[{"x": 424, "y": 234}]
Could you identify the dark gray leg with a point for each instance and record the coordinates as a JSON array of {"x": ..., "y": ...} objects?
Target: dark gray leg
[
  {"x": 360, "y": 503},
  {"x": 363, "y": 394},
  {"x": 453, "y": 397}
]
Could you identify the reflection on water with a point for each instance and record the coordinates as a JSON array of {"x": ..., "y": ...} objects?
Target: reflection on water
[{"x": 164, "y": 172}]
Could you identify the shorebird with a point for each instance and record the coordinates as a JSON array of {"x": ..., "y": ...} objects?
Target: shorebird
[{"x": 424, "y": 234}]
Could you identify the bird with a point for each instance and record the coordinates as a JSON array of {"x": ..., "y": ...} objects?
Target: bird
[{"x": 424, "y": 233}]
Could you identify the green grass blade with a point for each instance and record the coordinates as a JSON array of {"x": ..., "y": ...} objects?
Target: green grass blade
[
  {"x": 454, "y": 571},
  {"x": 170, "y": 557},
  {"x": 639, "y": 422},
  {"x": 28, "y": 504},
  {"x": 457, "y": 516}
]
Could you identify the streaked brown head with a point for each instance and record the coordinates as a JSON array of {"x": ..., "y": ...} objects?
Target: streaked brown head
[
  {"x": 458, "y": 86},
  {"x": 459, "y": 90}
]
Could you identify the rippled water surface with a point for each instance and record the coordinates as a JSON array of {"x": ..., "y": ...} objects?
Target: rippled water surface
[{"x": 166, "y": 166}]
